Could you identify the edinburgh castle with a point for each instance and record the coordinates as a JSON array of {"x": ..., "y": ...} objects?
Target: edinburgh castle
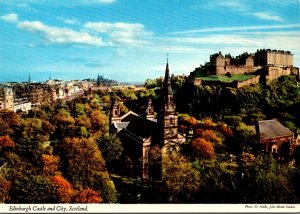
[{"x": 245, "y": 69}]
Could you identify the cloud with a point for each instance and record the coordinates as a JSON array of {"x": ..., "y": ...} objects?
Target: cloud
[
  {"x": 121, "y": 52},
  {"x": 268, "y": 16},
  {"x": 11, "y": 18},
  {"x": 234, "y": 5},
  {"x": 120, "y": 33},
  {"x": 72, "y": 21},
  {"x": 242, "y": 28},
  {"x": 100, "y": 1},
  {"x": 56, "y": 35},
  {"x": 87, "y": 62}
]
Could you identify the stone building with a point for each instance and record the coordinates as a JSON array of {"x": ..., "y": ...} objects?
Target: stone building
[
  {"x": 6, "y": 98},
  {"x": 261, "y": 67},
  {"x": 275, "y": 137},
  {"x": 139, "y": 133},
  {"x": 221, "y": 65},
  {"x": 273, "y": 58},
  {"x": 22, "y": 105},
  {"x": 10, "y": 102}
]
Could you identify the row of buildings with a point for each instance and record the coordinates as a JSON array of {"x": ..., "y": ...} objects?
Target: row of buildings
[{"x": 22, "y": 97}]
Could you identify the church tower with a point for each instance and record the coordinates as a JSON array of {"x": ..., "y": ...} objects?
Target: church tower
[
  {"x": 170, "y": 116},
  {"x": 149, "y": 112},
  {"x": 115, "y": 112}
]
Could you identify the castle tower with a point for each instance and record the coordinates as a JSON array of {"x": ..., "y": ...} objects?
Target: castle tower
[
  {"x": 170, "y": 117},
  {"x": 149, "y": 110},
  {"x": 115, "y": 112}
]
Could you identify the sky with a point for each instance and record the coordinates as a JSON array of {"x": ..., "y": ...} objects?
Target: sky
[{"x": 128, "y": 40}]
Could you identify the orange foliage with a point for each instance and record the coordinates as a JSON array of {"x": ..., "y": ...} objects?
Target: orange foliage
[
  {"x": 50, "y": 164},
  {"x": 208, "y": 135},
  {"x": 6, "y": 143},
  {"x": 64, "y": 189},
  {"x": 225, "y": 130},
  {"x": 99, "y": 121},
  {"x": 208, "y": 123},
  {"x": 203, "y": 148},
  {"x": 87, "y": 196},
  {"x": 4, "y": 189},
  {"x": 83, "y": 121},
  {"x": 192, "y": 121}
]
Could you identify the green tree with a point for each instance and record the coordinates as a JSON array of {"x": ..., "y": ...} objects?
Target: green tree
[
  {"x": 181, "y": 181},
  {"x": 266, "y": 181},
  {"x": 33, "y": 189},
  {"x": 111, "y": 148}
]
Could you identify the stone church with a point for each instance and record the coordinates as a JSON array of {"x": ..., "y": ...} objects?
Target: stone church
[{"x": 139, "y": 133}]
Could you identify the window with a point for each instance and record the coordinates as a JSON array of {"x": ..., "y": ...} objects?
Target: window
[
  {"x": 116, "y": 112},
  {"x": 171, "y": 120}
]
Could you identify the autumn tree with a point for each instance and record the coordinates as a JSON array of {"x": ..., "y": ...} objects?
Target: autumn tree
[
  {"x": 86, "y": 196},
  {"x": 50, "y": 164},
  {"x": 208, "y": 135},
  {"x": 84, "y": 166},
  {"x": 4, "y": 189},
  {"x": 65, "y": 124},
  {"x": 9, "y": 122},
  {"x": 99, "y": 122},
  {"x": 30, "y": 142},
  {"x": 181, "y": 180},
  {"x": 64, "y": 189},
  {"x": 202, "y": 149},
  {"x": 6, "y": 144}
]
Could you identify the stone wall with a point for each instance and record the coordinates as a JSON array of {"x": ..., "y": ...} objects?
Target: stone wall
[
  {"x": 252, "y": 81},
  {"x": 234, "y": 69},
  {"x": 274, "y": 72}
]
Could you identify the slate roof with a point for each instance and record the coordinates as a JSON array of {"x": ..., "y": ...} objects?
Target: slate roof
[
  {"x": 271, "y": 129},
  {"x": 140, "y": 126}
]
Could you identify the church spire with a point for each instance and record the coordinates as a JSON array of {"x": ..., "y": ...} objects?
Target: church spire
[
  {"x": 169, "y": 116},
  {"x": 167, "y": 84}
]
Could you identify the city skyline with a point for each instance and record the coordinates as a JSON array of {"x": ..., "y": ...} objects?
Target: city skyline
[{"x": 128, "y": 40}]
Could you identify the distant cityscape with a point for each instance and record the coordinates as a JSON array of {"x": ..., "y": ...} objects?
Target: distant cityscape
[
  {"x": 24, "y": 96},
  {"x": 246, "y": 69}
]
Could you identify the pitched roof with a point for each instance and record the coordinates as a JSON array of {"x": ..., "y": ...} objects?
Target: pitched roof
[
  {"x": 272, "y": 128},
  {"x": 140, "y": 126},
  {"x": 129, "y": 113}
]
